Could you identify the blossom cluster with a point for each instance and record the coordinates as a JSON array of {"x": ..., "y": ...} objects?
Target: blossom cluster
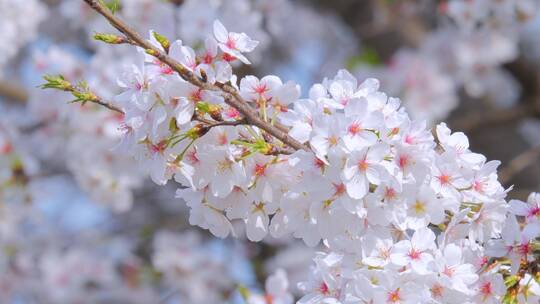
[
  {"x": 81, "y": 138},
  {"x": 406, "y": 217}
]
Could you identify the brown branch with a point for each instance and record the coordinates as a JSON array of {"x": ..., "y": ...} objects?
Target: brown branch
[
  {"x": 230, "y": 94},
  {"x": 280, "y": 151},
  {"x": 99, "y": 101},
  {"x": 34, "y": 127},
  {"x": 13, "y": 91},
  {"x": 212, "y": 124},
  {"x": 80, "y": 91},
  {"x": 518, "y": 164},
  {"x": 177, "y": 2},
  {"x": 275, "y": 150},
  {"x": 477, "y": 121},
  {"x": 95, "y": 99}
]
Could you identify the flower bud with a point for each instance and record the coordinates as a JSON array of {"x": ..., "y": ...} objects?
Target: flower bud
[
  {"x": 163, "y": 41},
  {"x": 151, "y": 52},
  {"x": 197, "y": 131},
  {"x": 56, "y": 82},
  {"x": 110, "y": 38}
]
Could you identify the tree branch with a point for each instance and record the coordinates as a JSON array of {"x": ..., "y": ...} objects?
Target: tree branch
[
  {"x": 230, "y": 94},
  {"x": 476, "y": 121},
  {"x": 519, "y": 163},
  {"x": 13, "y": 91},
  {"x": 212, "y": 124},
  {"x": 80, "y": 91},
  {"x": 107, "y": 105}
]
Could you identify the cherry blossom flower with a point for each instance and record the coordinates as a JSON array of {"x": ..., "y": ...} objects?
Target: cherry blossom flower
[{"x": 233, "y": 44}]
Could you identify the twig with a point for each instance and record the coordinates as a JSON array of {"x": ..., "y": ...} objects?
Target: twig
[
  {"x": 34, "y": 127},
  {"x": 107, "y": 105},
  {"x": 475, "y": 121},
  {"x": 93, "y": 98},
  {"x": 518, "y": 164},
  {"x": 275, "y": 150},
  {"x": 13, "y": 91},
  {"x": 212, "y": 124},
  {"x": 230, "y": 95},
  {"x": 80, "y": 91}
]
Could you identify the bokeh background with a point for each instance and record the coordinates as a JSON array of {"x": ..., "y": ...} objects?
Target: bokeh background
[{"x": 80, "y": 223}]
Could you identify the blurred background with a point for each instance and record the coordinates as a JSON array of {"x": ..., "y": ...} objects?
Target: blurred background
[{"x": 80, "y": 223}]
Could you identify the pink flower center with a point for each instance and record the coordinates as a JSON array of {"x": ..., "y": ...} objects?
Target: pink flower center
[
  {"x": 208, "y": 58},
  {"x": 448, "y": 271},
  {"x": 261, "y": 89},
  {"x": 339, "y": 189},
  {"x": 437, "y": 291},
  {"x": 389, "y": 193},
  {"x": 354, "y": 128},
  {"x": 318, "y": 163},
  {"x": 524, "y": 249},
  {"x": 414, "y": 254},
  {"x": 403, "y": 161},
  {"x": 323, "y": 288},
  {"x": 196, "y": 96},
  {"x": 534, "y": 211},
  {"x": 259, "y": 170},
  {"x": 231, "y": 43},
  {"x": 444, "y": 179},
  {"x": 222, "y": 139},
  {"x": 485, "y": 289},
  {"x": 394, "y": 296},
  {"x": 159, "y": 147},
  {"x": 478, "y": 186},
  {"x": 228, "y": 57},
  {"x": 232, "y": 113},
  {"x": 483, "y": 261},
  {"x": 409, "y": 139},
  {"x": 363, "y": 165},
  {"x": 166, "y": 70},
  {"x": 192, "y": 157}
]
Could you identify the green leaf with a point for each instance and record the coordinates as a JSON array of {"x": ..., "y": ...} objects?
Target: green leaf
[
  {"x": 244, "y": 292},
  {"x": 113, "y": 5},
  {"x": 368, "y": 57},
  {"x": 57, "y": 82}
]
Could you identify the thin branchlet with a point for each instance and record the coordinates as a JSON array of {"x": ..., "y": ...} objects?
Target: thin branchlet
[
  {"x": 230, "y": 94},
  {"x": 81, "y": 91}
]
